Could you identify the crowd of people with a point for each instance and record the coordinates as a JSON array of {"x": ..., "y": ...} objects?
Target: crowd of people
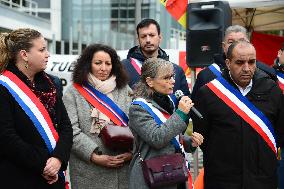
[{"x": 44, "y": 131}]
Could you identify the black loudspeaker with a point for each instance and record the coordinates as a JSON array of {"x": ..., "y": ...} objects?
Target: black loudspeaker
[{"x": 206, "y": 23}]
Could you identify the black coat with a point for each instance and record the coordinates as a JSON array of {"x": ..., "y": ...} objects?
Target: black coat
[
  {"x": 206, "y": 75},
  {"x": 235, "y": 155},
  {"x": 23, "y": 153},
  {"x": 135, "y": 52}
]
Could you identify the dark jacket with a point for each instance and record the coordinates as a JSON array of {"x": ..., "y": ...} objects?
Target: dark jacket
[
  {"x": 23, "y": 152},
  {"x": 235, "y": 155},
  {"x": 59, "y": 88},
  {"x": 135, "y": 52},
  {"x": 206, "y": 75}
]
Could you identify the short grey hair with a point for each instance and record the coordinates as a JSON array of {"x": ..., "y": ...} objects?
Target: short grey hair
[{"x": 236, "y": 29}]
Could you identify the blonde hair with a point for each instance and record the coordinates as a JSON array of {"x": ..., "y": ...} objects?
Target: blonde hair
[
  {"x": 150, "y": 68},
  {"x": 12, "y": 43}
]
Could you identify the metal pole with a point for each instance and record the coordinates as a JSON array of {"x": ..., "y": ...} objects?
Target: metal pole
[
  {"x": 70, "y": 40},
  {"x": 79, "y": 37},
  {"x": 62, "y": 47},
  {"x": 137, "y": 16},
  {"x": 53, "y": 44},
  {"x": 195, "y": 155}
]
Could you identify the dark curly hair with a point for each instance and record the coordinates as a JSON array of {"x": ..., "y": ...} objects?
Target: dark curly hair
[{"x": 84, "y": 64}]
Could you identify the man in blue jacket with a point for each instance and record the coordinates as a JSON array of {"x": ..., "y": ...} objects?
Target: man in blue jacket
[{"x": 149, "y": 38}]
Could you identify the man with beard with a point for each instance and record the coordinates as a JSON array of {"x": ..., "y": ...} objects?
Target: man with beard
[
  {"x": 242, "y": 124},
  {"x": 149, "y": 38},
  {"x": 232, "y": 33}
]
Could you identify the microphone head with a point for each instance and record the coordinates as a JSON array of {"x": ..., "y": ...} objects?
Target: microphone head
[{"x": 179, "y": 94}]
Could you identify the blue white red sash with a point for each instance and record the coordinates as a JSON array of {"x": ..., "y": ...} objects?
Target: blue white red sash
[
  {"x": 32, "y": 107},
  {"x": 215, "y": 68},
  {"x": 103, "y": 103},
  {"x": 160, "y": 118},
  {"x": 280, "y": 77},
  {"x": 245, "y": 109},
  {"x": 136, "y": 64}
]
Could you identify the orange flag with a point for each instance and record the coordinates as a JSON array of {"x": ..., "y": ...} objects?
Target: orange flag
[
  {"x": 199, "y": 181},
  {"x": 177, "y": 8}
]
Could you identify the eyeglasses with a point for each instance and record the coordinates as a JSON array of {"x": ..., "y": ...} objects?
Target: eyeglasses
[{"x": 168, "y": 77}]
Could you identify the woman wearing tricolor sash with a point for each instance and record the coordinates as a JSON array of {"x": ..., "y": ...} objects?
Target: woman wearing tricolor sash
[
  {"x": 99, "y": 96},
  {"x": 35, "y": 131},
  {"x": 155, "y": 122}
]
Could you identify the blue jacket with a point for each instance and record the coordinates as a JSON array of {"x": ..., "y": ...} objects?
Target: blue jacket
[{"x": 135, "y": 52}]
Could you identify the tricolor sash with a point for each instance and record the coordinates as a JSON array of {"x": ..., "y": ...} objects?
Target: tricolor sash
[
  {"x": 245, "y": 109},
  {"x": 280, "y": 77},
  {"x": 102, "y": 103},
  {"x": 160, "y": 118},
  {"x": 215, "y": 69},
  {"x": 136, "y": 65},
  {"x": 32, "y": 107}
]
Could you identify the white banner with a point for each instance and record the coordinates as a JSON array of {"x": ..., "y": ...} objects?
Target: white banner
[{"x": 62, "y": 66}]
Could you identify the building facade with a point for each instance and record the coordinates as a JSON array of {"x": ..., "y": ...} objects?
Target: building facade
[
  {"x": 112, "y": 22},
  {"x": 41, "y": 15}
]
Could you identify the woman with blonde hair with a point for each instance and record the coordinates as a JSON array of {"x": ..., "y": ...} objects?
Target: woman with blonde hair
[{"x": 35, "y": 132}]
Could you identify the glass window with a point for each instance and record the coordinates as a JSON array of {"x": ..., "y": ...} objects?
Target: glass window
[
  {"x": 114, "y": 13},
  {"x": 131, "y": 13},
  {"x": 123, "y": 13}
]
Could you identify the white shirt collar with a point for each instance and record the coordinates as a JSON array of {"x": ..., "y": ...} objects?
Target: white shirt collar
[{"x": 246, "y": 90}]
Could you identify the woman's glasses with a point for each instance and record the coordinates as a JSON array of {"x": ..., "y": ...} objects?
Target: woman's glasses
[{"x": 167, "y": 77}]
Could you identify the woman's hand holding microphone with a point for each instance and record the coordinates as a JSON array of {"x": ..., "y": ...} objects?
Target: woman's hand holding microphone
[{"x": 185, "y": 104}]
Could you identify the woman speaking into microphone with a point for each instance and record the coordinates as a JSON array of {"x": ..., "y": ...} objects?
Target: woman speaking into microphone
[{"x": 157, "y": 127}]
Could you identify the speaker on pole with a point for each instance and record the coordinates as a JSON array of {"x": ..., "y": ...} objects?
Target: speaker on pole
[{"x": 206, "y": 23}]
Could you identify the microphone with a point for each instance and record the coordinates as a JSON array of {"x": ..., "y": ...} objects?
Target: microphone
[{"x": 179, "y": 94}]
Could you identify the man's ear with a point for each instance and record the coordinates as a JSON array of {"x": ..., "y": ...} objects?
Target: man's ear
[
  {"x": 161, "y": 38},
  {"x": 228, "y": 63},
  {"x": 279, "y": 53},
  {"x": 223, "y": 45},
  {"x": 149, "y": 81}
]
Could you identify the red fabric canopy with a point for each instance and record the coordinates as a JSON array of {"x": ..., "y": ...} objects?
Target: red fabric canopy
[{"x": 266, "y": 46}]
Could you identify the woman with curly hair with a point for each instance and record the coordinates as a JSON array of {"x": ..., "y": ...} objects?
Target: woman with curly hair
[{"x": 99, "y": 72}]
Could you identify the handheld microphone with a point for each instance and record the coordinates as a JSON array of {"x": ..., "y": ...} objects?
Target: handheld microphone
[{"x": 179, "y": 94}]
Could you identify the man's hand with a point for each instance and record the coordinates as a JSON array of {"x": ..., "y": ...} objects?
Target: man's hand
[
  {"x": 52, "y": 167},
  {"x": 197, "y": 139},
  {"x": 50, "y": 179}
]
